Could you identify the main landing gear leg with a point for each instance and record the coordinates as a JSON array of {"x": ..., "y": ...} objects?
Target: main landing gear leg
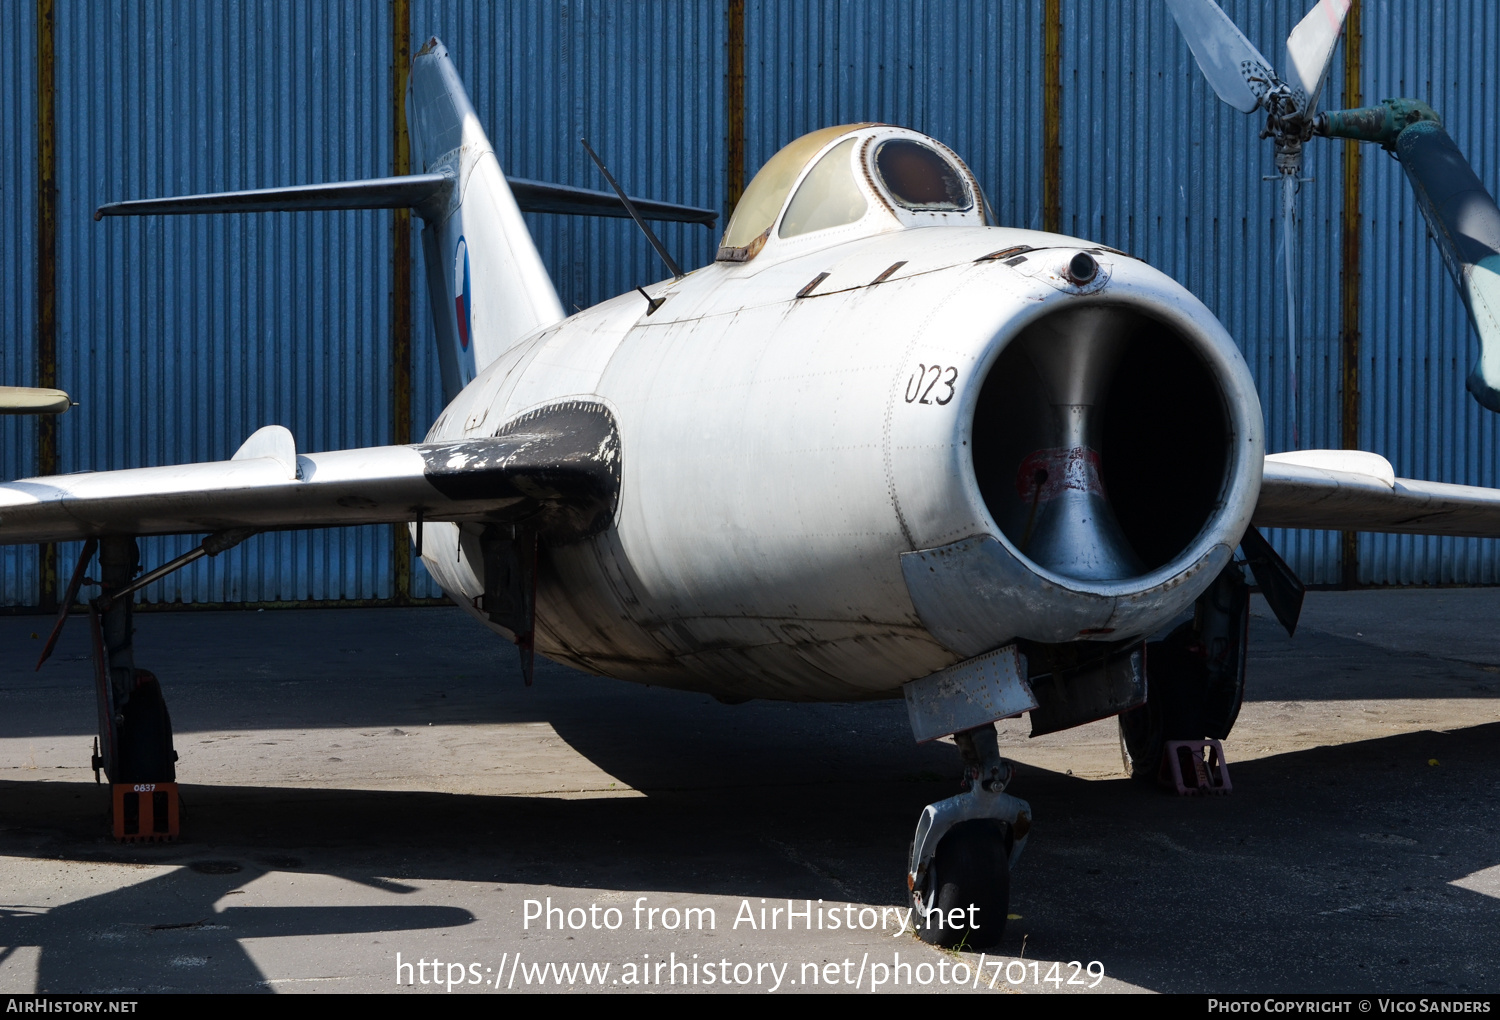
[
  {"x": 1195, "y": 685},
  {"x": 135, "y": 738},
  {"x": 959, "y": 870}
]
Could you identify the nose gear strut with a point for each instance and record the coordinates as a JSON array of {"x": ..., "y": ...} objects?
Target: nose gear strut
[{"x": 959, "y": 870}]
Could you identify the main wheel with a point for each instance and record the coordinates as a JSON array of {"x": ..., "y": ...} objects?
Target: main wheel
[
  {"x": 1195, "y": 677},
  {"x": 145, "y": 735},
  {"x": 968, "y": 882},
  {"x": 1141, "y": 742},
  {"x": 1176, "y": 684}
]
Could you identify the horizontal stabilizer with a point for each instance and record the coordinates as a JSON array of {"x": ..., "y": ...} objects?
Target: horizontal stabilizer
[
  {"x": 1344, "y": 490},
  {"x": 32, "y": 400},
  {"x": 425, "y": 193},
  {"x": 536, "y": 196},
  {"x": 409, "y": 192}
]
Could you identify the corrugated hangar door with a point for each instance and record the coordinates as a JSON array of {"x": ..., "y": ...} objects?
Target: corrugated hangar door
[{"x": 181, "y": 335}]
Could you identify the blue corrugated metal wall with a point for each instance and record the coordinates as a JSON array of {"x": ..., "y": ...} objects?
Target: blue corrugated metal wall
[
  {"x": 965, "y": 72},
  {"x": 1155, "y": 165},
  {"x": 182, "y": 336},
  {"x": 643, "y": 81},
  {"x": 18, "y": 443}
]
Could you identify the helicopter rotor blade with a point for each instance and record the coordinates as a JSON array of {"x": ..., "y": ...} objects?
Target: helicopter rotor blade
[
  {"x": 1289, "y": 250},
  {"x": 1234, "y": 67},
  {"x": 1309, "y": 50}
]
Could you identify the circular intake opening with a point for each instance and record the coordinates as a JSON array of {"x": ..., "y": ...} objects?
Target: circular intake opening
[{"x": 1101, "y": 442}]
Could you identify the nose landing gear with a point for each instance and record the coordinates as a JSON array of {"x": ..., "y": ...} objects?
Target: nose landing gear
[{"x": 965, "y": 846}]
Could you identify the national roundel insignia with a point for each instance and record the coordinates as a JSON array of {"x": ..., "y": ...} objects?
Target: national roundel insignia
[{"x": 461, "y": 291}]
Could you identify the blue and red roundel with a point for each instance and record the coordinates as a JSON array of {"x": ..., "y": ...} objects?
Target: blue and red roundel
[{"x": 461, "y": 299}]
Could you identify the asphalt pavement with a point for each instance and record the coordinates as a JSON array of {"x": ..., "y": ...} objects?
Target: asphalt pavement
[{"x": 366, "y": 783}]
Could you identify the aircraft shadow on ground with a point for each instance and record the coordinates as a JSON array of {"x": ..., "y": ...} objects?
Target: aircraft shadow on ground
[
  {"x": 164, "y": 935},
  {"x": 334, "y": 668},
  {"x": 1328, "y": 868}
]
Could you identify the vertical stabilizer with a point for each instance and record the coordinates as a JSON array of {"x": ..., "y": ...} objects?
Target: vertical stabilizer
[{"x": 487, "y": 283}]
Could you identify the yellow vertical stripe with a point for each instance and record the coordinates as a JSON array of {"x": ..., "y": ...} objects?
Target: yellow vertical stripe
[
  {"x": 401, "y": 324},
  {"x": 1351, "y": 224}
]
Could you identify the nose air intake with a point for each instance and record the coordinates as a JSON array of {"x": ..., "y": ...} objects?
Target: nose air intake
[{"x": 1100, "y": 443}]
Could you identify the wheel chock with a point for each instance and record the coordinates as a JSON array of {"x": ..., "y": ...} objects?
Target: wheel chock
[
  {"x": 1195, "y": 767},
  {"x": 145, "y": 812}
]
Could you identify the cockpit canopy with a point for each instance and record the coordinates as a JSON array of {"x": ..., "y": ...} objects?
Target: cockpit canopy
[{"x": 851, "y": 181}]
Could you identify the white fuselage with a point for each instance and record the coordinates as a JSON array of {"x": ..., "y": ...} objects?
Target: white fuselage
[{"x": 781, "y": 454}]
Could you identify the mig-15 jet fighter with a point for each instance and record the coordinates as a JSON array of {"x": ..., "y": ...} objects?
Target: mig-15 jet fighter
[{"x": 880, "y": 447}]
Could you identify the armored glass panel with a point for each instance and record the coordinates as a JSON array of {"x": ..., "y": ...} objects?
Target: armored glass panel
[{"x": 919, "y": 178}]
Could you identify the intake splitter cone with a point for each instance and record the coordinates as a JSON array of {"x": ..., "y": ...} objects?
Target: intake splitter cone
[{"x": 1071, "y": 527}]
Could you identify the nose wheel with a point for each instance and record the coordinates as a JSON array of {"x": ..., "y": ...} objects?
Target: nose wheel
[
  {"x": 965, "y": 897},
  {"x": 965, "y": 846}
]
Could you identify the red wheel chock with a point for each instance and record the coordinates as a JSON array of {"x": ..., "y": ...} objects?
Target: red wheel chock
[
  {"x": 145, "y": 812},
  {"x": 1194, "y": 767}
]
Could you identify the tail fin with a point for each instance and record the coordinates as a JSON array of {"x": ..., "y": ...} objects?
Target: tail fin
[
  {"x": 487, "y": 283},
  {"x": 486, "y": 280}
]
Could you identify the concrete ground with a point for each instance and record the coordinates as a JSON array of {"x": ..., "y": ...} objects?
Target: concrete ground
[{"x": 367, "y": 783}]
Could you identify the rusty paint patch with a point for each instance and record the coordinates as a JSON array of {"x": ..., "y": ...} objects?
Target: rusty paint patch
[
  {"x": 812, "y": 285},
  {"x": 746, "y": 253},
  {"x": 1005, "y": 253}
]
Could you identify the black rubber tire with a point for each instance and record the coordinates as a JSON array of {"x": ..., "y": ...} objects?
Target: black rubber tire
[
  {"x": 1190, "y": 697},
  {"x": 145, "y": 735},
  {"x": 1176, "y": 682},
  {"x": 1141, "y": 742},
  {"x": 972, "y": 866}
]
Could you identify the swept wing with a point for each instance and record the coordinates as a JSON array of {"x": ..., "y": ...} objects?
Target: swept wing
[
  {"x": 1353, "y": 491},
  {"x": 557, "y": 470}
]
